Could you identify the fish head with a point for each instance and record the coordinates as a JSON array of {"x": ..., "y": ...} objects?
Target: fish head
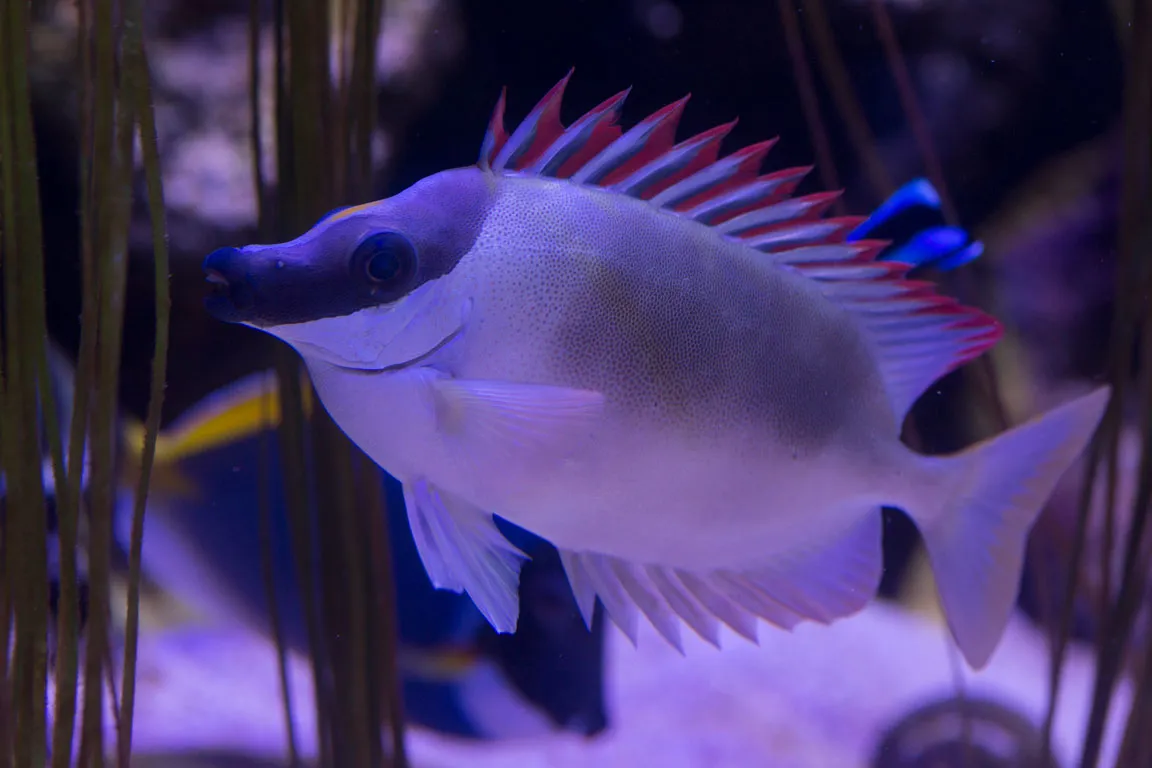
[{"x": 366, "y": 287}]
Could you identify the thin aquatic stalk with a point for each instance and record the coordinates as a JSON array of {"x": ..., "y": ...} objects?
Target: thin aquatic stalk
[
  {"x": 341, "y": 589},
  {"x": 139, "y": 91},
  {"x": 372, "y": 691},
  {"x": 321, "y": 164},
  {"x": 110, "y": 679},
  {"x": 356, "y": 584},
  {"x": 69, "y": 504},
  {"x": 907, "y": 92},
  {"x": 1137, "y": 123},
  {"x": 385, "y": 698},
  {"x": 359, "y": 94},
  {"x": 1062, "y": 626},
  {"x": 340, "y": 17},
  {"x": 1106, "y": 551},
  {"x": 114, "y": 202},
  {"x": 67, "y": 626},
  {"x": 268, "y": 573},
  {"x": 32, "y": 296},
  {"x": 264, "y": 470},
  {"x": 309, "y": 78},
  {"x": 840, "y": 86},
  {"x": 1114, "y": 642},
  {"x": 101, "y": 84},
  {"x": 364, "y": 90},
  {"x": 24, "y": 353},
  {"x": 809, "y": 103},
  {"x": 1136, "y": 748},
  {"x": 334, "y": 656},
  {"x": 297, "y": 495},
  {"x": 1135, "y": 239},
  {"x": 285, "y": 210},
  {"x": 1133, "y": 217},
  {"x": 291, "y": 428},
  {"x": 254, "y": 107},
  {"x": 380, "y": 556},
  {"x": 1114, "y": 645},
  {"x": 7, "y": 715},
  {"x": 343, "y": 721},
  {"x": 90, "y": 144},
  {"x": 297, "y": 103},
  {"x": 15, "y": 446}
]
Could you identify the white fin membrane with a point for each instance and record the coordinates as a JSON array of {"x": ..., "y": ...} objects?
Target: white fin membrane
[
  {"x": 460, "y": 545},
  {"x": 464, "y": 551},
  {"x": 510, "y": 418},
  {"x": 822, "y": 584}
]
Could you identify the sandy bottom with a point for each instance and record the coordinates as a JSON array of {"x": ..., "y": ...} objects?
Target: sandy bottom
[{"x": 818, "y": 696}]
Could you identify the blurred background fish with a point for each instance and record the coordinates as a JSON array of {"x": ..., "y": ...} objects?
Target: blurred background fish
[{"x": 202, "y": 564}]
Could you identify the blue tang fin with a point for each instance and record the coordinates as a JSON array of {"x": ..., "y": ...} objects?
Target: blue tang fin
[{"x": 912, "y": 219}]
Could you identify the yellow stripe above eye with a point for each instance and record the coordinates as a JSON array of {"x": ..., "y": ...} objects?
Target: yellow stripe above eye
[{"x": 349, "y": 211}]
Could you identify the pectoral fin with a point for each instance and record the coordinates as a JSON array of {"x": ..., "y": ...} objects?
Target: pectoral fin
[
  {"x": 506, "y": 417},
  {"x": 464, "y": 551}
]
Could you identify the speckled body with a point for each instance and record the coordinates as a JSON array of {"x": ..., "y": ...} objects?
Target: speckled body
[{"x": 744, "y": 414}]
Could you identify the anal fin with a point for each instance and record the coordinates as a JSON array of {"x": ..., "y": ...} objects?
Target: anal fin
[
  {"x": 831, "y": 581},
  {"x": 463, "y": 551},
  {"x": 822, "y": 584}
]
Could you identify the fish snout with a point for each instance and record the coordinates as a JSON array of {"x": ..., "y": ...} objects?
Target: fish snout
[{"x": 233, "y": 297}]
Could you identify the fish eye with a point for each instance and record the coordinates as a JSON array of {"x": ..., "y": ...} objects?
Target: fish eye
[{"x": 387, "y": 258}]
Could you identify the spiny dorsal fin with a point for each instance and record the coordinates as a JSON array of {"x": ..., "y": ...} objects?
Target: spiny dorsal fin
[
  {"x": 917, "y": 334},
  {"x": 495, "y": 137}
]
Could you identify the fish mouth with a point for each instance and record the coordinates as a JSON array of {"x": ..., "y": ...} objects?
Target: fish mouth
[{"x": 228, "y": 300}]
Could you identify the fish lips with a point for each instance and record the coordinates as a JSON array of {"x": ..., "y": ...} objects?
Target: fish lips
[
  {"x": 229, "y": 302},
  {"x": 233, "y": 291}
]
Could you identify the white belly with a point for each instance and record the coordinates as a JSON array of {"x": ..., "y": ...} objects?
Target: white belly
[
  {"x": 640, "y": 493},
  {"x": 673, "y": 503}
]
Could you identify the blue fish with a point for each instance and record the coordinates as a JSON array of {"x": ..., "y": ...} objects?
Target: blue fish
[
  {"x": 912, "y": 221},
  {"x": 202, "y": 545}
]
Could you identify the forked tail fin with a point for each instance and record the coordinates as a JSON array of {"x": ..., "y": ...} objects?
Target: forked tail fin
[{"x": 976, "y": 537}]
